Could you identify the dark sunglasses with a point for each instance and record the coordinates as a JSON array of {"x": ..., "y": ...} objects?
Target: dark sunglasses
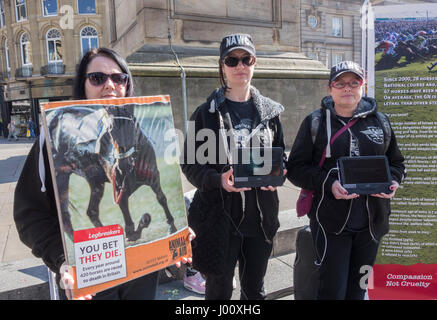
[
  {"x": 100, "y": 78},
  {"x": 233, "y": 61}
]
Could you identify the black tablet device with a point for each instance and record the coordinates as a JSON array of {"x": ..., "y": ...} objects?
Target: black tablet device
[
  {"x": 365, "y": 174},
  {"x": 258, "y": 167}
]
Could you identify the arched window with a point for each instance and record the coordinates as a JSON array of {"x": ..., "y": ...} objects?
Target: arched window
[
  {"x": 26, "y": 51},
  {"x": 88, "y": 39},
  {"x": 54, "y": 46}
]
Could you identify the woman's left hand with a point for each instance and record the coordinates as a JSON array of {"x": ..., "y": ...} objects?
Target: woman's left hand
[
  {"x": 191, "y": 236},
  {"x": 270, "y": 188},
  {"x": 67, "y": 282},
  {"x": 393, "y": 188}
]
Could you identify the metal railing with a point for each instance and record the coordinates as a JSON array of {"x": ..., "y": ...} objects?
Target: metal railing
[
  {"x": 53, "y": 68},
  {"x": 23, "y": 72}
]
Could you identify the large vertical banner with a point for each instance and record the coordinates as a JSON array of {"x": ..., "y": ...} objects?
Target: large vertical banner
[{"x": 402, "y": 67}]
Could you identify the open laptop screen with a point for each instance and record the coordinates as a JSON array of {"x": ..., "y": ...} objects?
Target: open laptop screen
[
  {"x": 365, "y": 174},
  {"x": 367, "y": 170},
  {"x": 258, "y": 166}
]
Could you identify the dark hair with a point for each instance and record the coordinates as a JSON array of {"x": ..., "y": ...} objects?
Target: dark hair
[
  {"x": 79, "y": 81},
  {"x": 222, "y": 76}
]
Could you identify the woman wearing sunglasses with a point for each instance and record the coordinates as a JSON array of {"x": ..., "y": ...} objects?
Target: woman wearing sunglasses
[
  {"x": 346, "y": 228},
  {"x": 232, "y": 224},
  {"x": 102, "y": 73}
]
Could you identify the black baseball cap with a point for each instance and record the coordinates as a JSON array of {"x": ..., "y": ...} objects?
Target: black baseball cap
[
  {"x": 237, "y": 41},
  {"x": 343, "y": 67}
]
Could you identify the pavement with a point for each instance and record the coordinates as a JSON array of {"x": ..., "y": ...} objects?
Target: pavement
[{"x": 23, "y": 276}]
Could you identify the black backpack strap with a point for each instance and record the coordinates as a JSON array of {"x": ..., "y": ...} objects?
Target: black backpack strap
[{"x": 316, "y": 115}]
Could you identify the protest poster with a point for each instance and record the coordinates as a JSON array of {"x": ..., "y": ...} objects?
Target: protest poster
[
  {"x": 116, "y": 177},
  {"x": 402, "y": 75}
]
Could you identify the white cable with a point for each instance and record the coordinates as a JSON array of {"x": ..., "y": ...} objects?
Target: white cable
[
  {"x": 41, "y": 165},
  {"x": 317, "y": 218},
  {"x": 328, "y": 133}
]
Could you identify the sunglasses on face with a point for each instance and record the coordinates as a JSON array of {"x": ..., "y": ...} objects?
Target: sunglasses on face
[
  {"x": 234, "y": 61},
  {"x": 100, "y": 78},
  {"x": 342, "y": 84}
]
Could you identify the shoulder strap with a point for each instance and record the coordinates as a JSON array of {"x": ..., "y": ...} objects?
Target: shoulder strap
[
  {"x": 335, "y": 136},
  {"x": 315, "y": 122},
  {"x": 224, "y": 137}
]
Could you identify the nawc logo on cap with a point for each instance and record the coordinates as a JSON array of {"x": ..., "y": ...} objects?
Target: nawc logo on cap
[
  {"x": 236, "y": 41},
  {"x": 343, "y": 67},
  {"x": 347, "y": 65},
  {"x": 239, "y": 39}
]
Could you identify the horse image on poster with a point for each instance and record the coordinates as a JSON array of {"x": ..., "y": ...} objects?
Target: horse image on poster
[{"x": 104, "y": 144}]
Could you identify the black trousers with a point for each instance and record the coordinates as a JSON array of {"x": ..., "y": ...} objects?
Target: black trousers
[
  {"x": 341, "y": 274},
  {"x": 252, "y": 254}
]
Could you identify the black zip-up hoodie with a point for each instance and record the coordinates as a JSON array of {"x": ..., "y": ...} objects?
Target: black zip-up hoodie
[
  {"x": 303, "y": 170},
  {"x": 207, "y": 177},
  {"x": 35, "y": 214}
]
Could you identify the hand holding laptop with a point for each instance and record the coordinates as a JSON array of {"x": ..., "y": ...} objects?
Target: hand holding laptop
[
  {"x": 393, "y": 188},
  {"x": 228, "y": 182},
  {"x": 341, "y": 193},
  {"x": 271, "y": 188}
]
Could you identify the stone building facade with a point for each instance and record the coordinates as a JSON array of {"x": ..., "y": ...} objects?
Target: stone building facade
[
  {"x": 194, "y": 23},
  {"x": 297, "y": 41},
  {"x": 331, "y": 30},
  {"x": 41, "y": 43},
  {"x": 143, "y": 33}
]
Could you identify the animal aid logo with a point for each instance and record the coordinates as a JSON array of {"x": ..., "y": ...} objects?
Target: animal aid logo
[
  {"x": 177, "y": 247},
  {"x": 99, "y": 255}
]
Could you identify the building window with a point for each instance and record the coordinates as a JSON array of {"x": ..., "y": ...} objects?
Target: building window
[
  {"x": 337, "y": 27},
  {"x": 2, "y": 13},
  {"x": 26, "y": 52},
  {"x": 54, "y": 46},
  {"x": 8, "y": 65},
  {"x": 88, "y": 39},
  {"x": 86, "y": 6},
  {"x": 20, "y": 10},
  {"x": 337, "y": 57},
  {"x": 49, "y": 8}
]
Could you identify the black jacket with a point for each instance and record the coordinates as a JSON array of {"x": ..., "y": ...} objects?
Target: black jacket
[
  {"x": 207, "y": 177},
  {"x": 303, "y": 170},
  {"x": 35, "y": 214}
]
